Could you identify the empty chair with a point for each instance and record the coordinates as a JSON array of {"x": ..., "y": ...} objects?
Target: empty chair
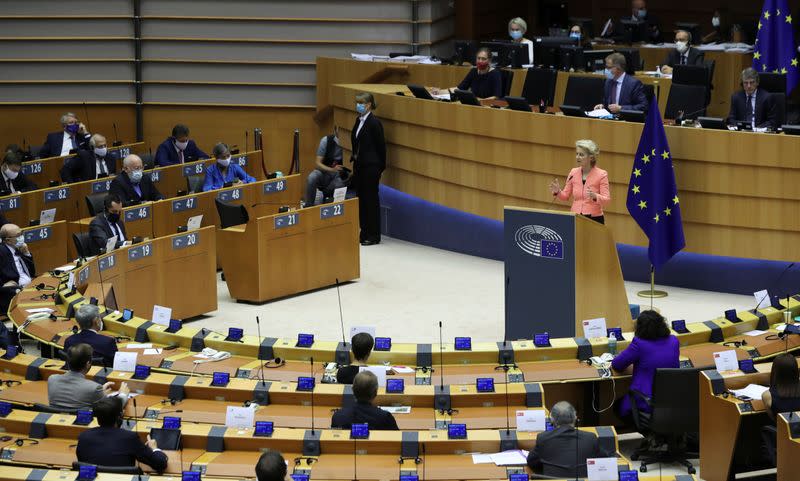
[
  {"x": 779, "y": 104},
  {"x": 774, "y": 83},
  {"x": 540, "y": 84},
  {"x": 585, "y": 92},
  {"x": 231, "y": 214},
  {"x": 95, "y": 202},
  {"x": 690, "y": 75},
  {"x": 148, "y": 161},
  {"x": 194, "y": 183},
  {"x": 83, "y": 244},
  {"x": 689, "y": 99},
  {"x": 508, "y": 79}
]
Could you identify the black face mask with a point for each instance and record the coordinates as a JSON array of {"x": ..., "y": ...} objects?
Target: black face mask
[{"x": 113, "y": 218}]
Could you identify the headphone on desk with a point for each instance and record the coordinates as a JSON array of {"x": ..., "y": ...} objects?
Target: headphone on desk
[
  {"x": 741, "y": 343},
  {"x": 21, "y": 441},
  {"x": 277, "y": 362}
]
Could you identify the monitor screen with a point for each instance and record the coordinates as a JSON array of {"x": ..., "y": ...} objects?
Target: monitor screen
[
  {"x": 383, "y": 343},
  {"x": 305, "y": 383},
  {"x": 87, "y": 472},
  {"x": 263, "y": 428},
  {"x": 141, "y": 372},
  {"x": 174, "y": 325},
  {"x": 235, "y": 333},
  {"x": 5, "y": 409},
  {"x": 171, "y": 422},
  {"x": 747, "y": 366},
  {"x": 679, "y": 325},
  {"x": 190, "y": 476},
  {"x": 111, "y": 300},
  {"x": 299, "y": 477},
  {"x": 485, "y": 384},
  {"x": 548, "y": 426},
  {"x": 463, "y": 343},
  {"x": 541, "y": 340},
  {"x": 629, "y": 475},
  {"x": 617, "y": 332},
  {"x": 730, "y": 315},
  {"x": 83, "y": 417},
  {"x": 457, "y": 431},
  {"x": 359, "y": 431},
  {"x": 395, "y": 386},
  {"x": 518, "y": 477},
  {"x": 127, "y": 314},
  {"x": 305, "y": 340},
  {"x": 409, "y": 477},
  {"x": 220, "y": 379}
]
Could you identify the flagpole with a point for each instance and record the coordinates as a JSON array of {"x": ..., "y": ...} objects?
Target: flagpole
[{"x": 652, "y": 292}]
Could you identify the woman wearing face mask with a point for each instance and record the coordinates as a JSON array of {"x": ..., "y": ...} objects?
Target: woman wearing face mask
[
  {"x": 576, "y": 32},
  {"x": 369, "y": 159},
  {"x": 223, "y": 171},
  {"x": 586, "y": 184},
  {"x": 484, "y": 81},
  {"x": 516, "y": 30},
  {"x": 720, "y": 27}
]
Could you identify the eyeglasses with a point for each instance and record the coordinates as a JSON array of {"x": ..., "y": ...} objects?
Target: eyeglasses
[{"x": 10, "y": 382}]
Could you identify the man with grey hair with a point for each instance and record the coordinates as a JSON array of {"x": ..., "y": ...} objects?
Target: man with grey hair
[
  {"x": 683, "y": 53},
  {"x": 90, "y": 324},
  {"x": 74, "y": 136},
  {"x": 132, "y": 185},
  {"x": 91, "y": 164},
  {"x": 562, "y": 452},
  {"x": 621, "y": 91},
  {"x": 752, "y": 105}
]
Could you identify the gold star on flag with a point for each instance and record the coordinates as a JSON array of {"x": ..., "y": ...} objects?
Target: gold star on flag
[
  {"x": 637, "y": 172},
  {"x": 788, "y": 19},
  {"x": 656, "y": 218},
  {"x": 668, "y": 211},
  {"x": 665, "y": 155},
  {"x": 766, "y": 14},
  {"x": 777, "y": 12},
  {"x": 763, "y": 67},
  {"x": 757, "y": 55},
  {"x": 642, "y": 204},
  {"x": 653, "y": 152},
  {"x": 759, "y": 25},
  {"x": 635, "y": 189},
  {"x": 676, "y": 200},
  {"x": 646, "y": 158},
  {"x": 776, "y": 71},
  {"x": 794, "y": 62}
]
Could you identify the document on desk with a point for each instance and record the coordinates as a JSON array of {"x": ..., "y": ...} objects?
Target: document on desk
[
  {"x": 598, "y": 114},
  {"x": 397, "y": 409},
  {"x": 726, "y": 361},
  {"x": 441, "y": 96},
  {"x": 478, "y": 458},
  {"x": 752, "y": 391},
  {"x": 515, "y": 457},
  {"x": 131, "y": 345}
]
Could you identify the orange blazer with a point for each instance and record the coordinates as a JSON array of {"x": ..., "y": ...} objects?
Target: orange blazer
[{"x": 597, "y": 180}]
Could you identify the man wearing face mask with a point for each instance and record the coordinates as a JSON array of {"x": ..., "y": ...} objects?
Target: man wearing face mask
[
  {"x": 622, "y": 91},
  {"x": 132, "y": 185},
  {"x": 108, "y": 224},
  {"x": 330, "y": 174},
  {"x": 90, "y": 324},
  {"x": 74, "y": 136},
  {"x": 684, "y": 53},
  {"x": 16, "y": 264},
  {"x": 648, "y": 30},
  {"x": 178, "y": 149},
  {"x": 91, "y": 164},
  {"x": 223, "y": 171},
  {"x": 12, "y": 179}
]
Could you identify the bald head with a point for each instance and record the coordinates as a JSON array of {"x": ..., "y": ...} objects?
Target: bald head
[
  {"x": 9, "y": 233},
  {"x": 98, "y": 141}
]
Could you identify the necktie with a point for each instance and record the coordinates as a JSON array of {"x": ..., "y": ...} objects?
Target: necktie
[
  {"x": 74, "y": 142},
  {"x": 180, "y": 155},
  {"x": 114, "y": 230},
  {"x": 683, "y": 59},
  {"x": 101, "y": 167},
  {"x": 750, "y": 109},
  {"x": 22, "y": 263},
  {"x": 10, "y": 185}
]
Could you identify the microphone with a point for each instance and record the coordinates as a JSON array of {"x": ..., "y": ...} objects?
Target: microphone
[
  {"x": 81, "y": 259},
  {"x": 681, "y": 116},
  {"x": 312, "y": 395},
  {"x": 245, "y": 140},
  {"x": 441, "y": 359},
  {"x": 117, "y": 142},
  {"x": 355, "y": 457},
  {"x": 258, "y": 356},
  {"x": 775, "y": 284},
  {"x": 508, "y": 422},
  {"x": 267, "y": 203},
  {"x": 135, "y": 415},
  {"x": 86, "y": 114},
  {"x": 152, "y": 220},
  {"x": 341, "y": 317}
]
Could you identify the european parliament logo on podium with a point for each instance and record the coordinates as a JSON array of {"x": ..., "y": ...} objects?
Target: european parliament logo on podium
[{"x": 540, "y": 241}]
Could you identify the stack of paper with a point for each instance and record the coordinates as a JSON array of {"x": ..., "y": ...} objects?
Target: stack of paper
[
  {"x": 752, "y": 391},
  {"x": 515, "y": 457}
]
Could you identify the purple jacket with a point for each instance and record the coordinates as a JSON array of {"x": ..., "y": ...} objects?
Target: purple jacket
[{"x": 646, "y": 356}]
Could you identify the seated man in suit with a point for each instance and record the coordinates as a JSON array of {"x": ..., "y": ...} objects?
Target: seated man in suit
[
  {"x": 365, "y": 390},
  {"x": 16, "y": 264},
  {"x": 752, "y": 104},
  {"x": 178, "y": 149},
  {"x": 132, "y": 185},
  {"x": 110, "y": 445},
  {"x": 555, "y": 451},
  {"x": 648, "y": 30},
  {"x": 72, "y": 391},
  {"x": 91, "y": 164},
  {"x": 329, "y": 174},
  {"x": 108, "y": 224},
  {"x": 74, "y": 136},
  {"x": 621, "y": 91},
  {"x": 223, "y": 172},
  {"x": 683, "y": 53},
  {"x": 271, "y": 466},
  {"x": 88, "y": 319},
  {"x": 361, "y": 344},
  {"x": 12, "y": 179}
]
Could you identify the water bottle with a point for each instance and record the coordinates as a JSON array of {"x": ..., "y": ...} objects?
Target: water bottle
[{"x": 612, "y": 344}]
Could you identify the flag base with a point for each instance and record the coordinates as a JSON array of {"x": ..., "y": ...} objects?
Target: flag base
[{"x": 652, "y": 293}]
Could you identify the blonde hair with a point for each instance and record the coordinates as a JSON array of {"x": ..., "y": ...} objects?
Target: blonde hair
[
  {"x": 366, "y": 97},
  {"x": 520, "y": 23},
  {"x": 590, "y": 147}
]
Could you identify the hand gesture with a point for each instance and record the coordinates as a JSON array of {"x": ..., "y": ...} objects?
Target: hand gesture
[
  {"x": 555, "y": 188},
  {"x": 590, "y": 193},
  {"x": 151, "y": 443},
  {"x": 82, "y": 129},
  {"x": 24, "y": 249},
  {"x": 124, "y": 389},
  {"x": 598, "y": 106},
  {"x": 107, "y": 387},
  {"x": 614, "y": 108}
]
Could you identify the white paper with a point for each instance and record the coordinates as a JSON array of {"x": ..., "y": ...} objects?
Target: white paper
[
  {"x": 39, "y": 309},
  {"x": 239, "y": 417},
  {"x": 602, "y": 469},
  {"x": 125, "y": 361},
  {"x": 47, "y": 216},
  {"x": 481, "y": 458},
  {"x": 754, "y": 333},
  {"x": 359, "y": 329},
  {"x": 152, "y": 352},
  {"x": 379, "y": 371},
  {"x": 161, "y": 315},
  {"x": 531, "y": 420},
  {"x": 339, "y": 194},
  {"x": 397, "y": 409},
  {"x": 599, "y": 113},
  {"x": 445, "y": 96},
  {"x": 593, "y": 328},
  {"x": 726, "y": 361},
  {"x": 132, "y": 345},
  {"x": 71, "y": 281},
  {"x": 402, "y": 369},
  {"x": 65, "y": 268},
  {"x": 111, "y": 243},
  {"x": 752, "y": 391},
  {"x": 762, "y": 299},
  {"x": 194, "y": 222},
  {"x": 509, "y": 458}
]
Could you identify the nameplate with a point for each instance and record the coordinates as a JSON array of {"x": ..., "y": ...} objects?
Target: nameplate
[
  {"x": 186, "y": 240},
  {"x": 277, "y": 186},
  {"x": 32, "y": 168},
  {"x": 54, "y": 195},
  {"x": 240, "y": 160},
  {"x": 83, "y": 275},
  {"x": 10, "y": 203},
  {"x": 139, "y": 252},
  {"x": 107, "y": 262},
  {"x": 287, "y": 220},
  {"x": 180, "y": 205},
  {"x": 328, "y": 211},
  {"x": 138, "y": 213},
  {"x": 229, "y": 195},
  {"x": 194, "y": 169},
  {"x": 124, "y": 152},
  {"x": 35, "y": 235},
  {"x": 101, "y": 186},
  {"x": 155, "y": 176}
]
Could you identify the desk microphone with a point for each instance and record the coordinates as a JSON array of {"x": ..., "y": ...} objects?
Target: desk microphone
[
  {"x": 424, "y": 462},
  {"x": 681, "y": 116},
  {"x": 81, "y": 258},
  {"x": 775, "y": 284},
  {"x": 135, "y": 415},
  {"x": 341, "y": 317},
  {"x": 258, "y": 356},
  {"x": 355, "y": 457},
  {"x": 441, "y": 360},
  {"x": 508, "y": 422},
  {"x": 152, "y": 220},
  {"x": 267, "y": 203},
  {"x": 116, "y": 143},
  {"x": 245, "y": 140},
  {"x": 85, "y": 113},
  {"x": 311, "y": 361}
]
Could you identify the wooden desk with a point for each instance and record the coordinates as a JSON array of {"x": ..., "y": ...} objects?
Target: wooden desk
[
  {"x": 788, "y": 446},
  {"x": 44, "y": 171},
  {"x": 315, "y": 246},
  {"x": 48, "y": 245}
]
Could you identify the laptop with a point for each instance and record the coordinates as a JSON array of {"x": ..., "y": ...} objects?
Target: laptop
[
  {"x": 518, "y": 103},
  {"x": 420, "y": 92},
  {"x": 466, "y": 97}
]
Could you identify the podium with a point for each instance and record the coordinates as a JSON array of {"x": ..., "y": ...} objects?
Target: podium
[{"x": 560, "y": 269}]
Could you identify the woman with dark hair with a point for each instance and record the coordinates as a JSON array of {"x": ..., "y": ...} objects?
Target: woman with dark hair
[
  {"x": 484, "y": 81},
  {"x": 784, "y": 386},
  {"x": 652, "y": 347}
]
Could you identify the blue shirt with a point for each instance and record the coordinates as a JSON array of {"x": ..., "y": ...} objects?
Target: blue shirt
[{"x": 215, "y": 180}]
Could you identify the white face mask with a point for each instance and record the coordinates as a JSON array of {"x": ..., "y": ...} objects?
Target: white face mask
[
  {"x": 181, "y": 145},
  {"x": 100, "y": 326},
  {"x": 224, "y": 162},
  {"x": 100, "y": 151},
  {"x": 11, "y": 174},
  {"x": 19, "y": 241},
  {"x": 681, "y": 47},
  {"x": 715, "y": 22}
]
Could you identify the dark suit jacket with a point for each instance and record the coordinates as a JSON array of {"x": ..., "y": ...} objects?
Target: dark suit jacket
[
  {"x": 84, "y": 167},
  {"x": 631, "y": 97},
  {"x": 123, "y": 187},
  {"x": 117, "y": 447},
  {"x": 52, "y": 145},
  {"x": 554, "y": 453},
  {"x": 104, "y": 346},
  {"x": 346, "y": 374},
  {"x": 693, "y": 57},
  {"x": 167, "y": 155},
  {"x": 377, "y": 418},
  {"x": 22, "y": 184},
  {"x": 8, "y": 268},
  {"x": 766, "y": 114},
  {"x": 369, "y": 147},
  {"x": 100, "y": 231}
]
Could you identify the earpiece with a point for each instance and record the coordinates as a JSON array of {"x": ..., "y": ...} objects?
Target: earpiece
[
  {"x": 21, "y": 441},
  {"x": 171, "y": 402},
  {"x": 276, "y": 363}
]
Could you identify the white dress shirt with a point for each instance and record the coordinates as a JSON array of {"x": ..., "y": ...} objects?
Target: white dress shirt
[
  {"x": 361, "y": 121},
  {"x": 22, "y": 269},
  {"x": 66, "y": 144},
  {"x": 8, "y": 182},
  {"x": 117, "y": 231},
  {"x": 618, "y": 88},
  {"x": 100, "y": 169}
]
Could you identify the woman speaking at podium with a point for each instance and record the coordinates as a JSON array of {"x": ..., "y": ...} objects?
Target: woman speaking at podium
[{"x": 586, "y": 183}]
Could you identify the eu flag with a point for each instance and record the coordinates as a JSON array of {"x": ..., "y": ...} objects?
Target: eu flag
[
  {"x": 552, "y": 248},
  {"x": 652, "y": 192},
  {"x": 774, "y": 50}
]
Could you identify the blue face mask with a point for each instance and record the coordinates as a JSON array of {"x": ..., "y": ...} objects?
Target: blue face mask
[
  {"x": 136, "y": 176},
  {"x": 609, "y": 74},
  {"x": 575, "y": 35},
  {"x": 515, "y": 34},
  {"x": 642, "y": 13},
  {"x": 361, "y": 109}
]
